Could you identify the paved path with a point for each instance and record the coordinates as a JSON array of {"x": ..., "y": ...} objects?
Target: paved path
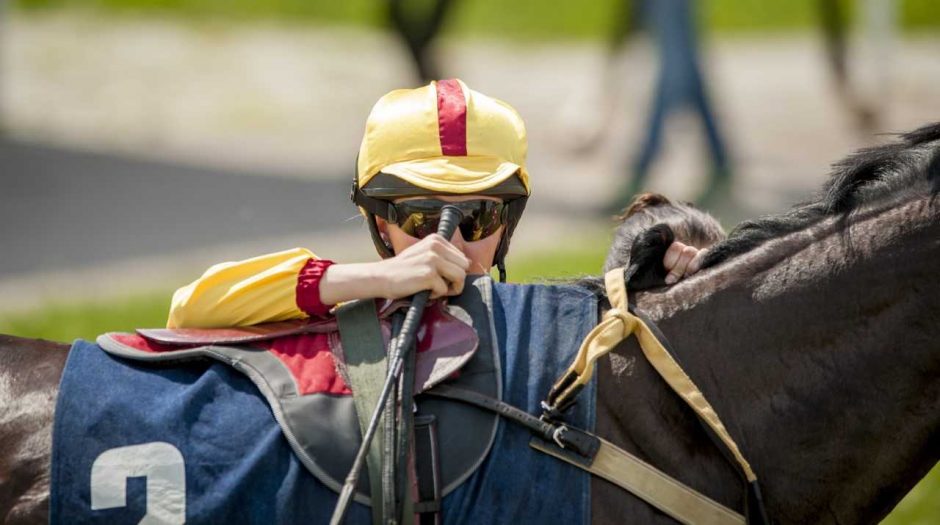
[
  {"x": 65, "y": 208},
  {"x": 85, "y": 224}
]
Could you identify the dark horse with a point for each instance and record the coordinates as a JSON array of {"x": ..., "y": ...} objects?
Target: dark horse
[{"x": 814, "y": 333}]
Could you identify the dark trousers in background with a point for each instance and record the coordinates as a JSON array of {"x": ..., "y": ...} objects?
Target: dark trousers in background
[{"x": 671, "y": 25}]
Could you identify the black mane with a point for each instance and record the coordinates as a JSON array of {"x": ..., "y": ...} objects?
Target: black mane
[{"x": 869, "y": 175}]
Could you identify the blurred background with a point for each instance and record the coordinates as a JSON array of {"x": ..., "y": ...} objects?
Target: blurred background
[{"x": 143, "y": 140}]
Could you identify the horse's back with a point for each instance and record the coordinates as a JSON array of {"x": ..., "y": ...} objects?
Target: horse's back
[{"x": 29, "y": 379}]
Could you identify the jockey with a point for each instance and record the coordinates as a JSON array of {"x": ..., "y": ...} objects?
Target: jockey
[{"x": 422, "y": 148}]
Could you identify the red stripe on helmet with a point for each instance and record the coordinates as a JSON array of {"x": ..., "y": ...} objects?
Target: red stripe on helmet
[{"x": 451, "y": 118}]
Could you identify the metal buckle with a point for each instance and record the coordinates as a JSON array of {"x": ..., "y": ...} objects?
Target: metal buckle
[
  {"x": 556, "y": 435},
  {"x": 554, "y": 412},
  {"x": 548, "y": 411}
]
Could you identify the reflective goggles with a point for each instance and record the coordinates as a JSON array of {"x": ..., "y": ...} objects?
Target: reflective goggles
[{"x": 420, "y": 217}]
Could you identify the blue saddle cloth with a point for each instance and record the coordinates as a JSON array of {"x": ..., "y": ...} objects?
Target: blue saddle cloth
[{"x": 198, "y": 441}]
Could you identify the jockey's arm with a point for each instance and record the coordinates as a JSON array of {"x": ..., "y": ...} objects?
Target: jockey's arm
[
  {"x": 273, "y": 287},
  {"x": 295, "y": 284}
]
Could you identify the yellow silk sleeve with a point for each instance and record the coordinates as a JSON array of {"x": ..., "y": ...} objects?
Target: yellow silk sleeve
[{"x": 256, "y": 290}]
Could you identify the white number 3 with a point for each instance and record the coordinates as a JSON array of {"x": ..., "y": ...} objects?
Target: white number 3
[{"x": 163, "y": 466}]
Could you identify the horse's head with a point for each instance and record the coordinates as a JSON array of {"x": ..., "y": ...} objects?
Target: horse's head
[
  {"x": 814, "y": 334},
  {"x": 647, "y": 227}
]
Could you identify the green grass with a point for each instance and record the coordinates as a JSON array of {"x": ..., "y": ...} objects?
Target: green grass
[
  {"x": 518, "y": 19},
  {"x": 69, "y": 321},
  {"x": 65, "y": 322},
  {"x": 585, "y": 257},
  {"x": 921, "y": 506}
]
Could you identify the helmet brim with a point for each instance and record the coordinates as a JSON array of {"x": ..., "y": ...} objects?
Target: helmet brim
[{"x": 450, "y": 175}]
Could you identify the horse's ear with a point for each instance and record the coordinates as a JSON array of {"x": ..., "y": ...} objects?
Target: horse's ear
[{"x": 646, "y": 268}]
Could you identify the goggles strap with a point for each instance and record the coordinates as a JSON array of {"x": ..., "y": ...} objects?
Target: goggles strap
[{"x": 374, "y": 206}]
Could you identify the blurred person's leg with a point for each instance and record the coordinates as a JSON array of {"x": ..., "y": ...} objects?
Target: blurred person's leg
[
  {"x": 716, "y": 145},
  {"x": 833, "y": 21},
  {"x": 879, "y": 30},
  {"x": 664, "y": 98},
  {"x": 627, "y": 21},
  {"x": 718, "y": 183},
  {"x": 686, "y": 55},
  {"x": 587, "y": 115},
  {"x": 680, "y": 45},
  {"x": 719, "y": 176},
  {"x": 680, "y": 82},
  {"x": 418, "y": 25},
  {"x": 654, "y": 17}
]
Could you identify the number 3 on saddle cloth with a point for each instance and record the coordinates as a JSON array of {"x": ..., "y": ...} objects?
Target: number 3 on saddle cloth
[{"x": 229, "y": 426}]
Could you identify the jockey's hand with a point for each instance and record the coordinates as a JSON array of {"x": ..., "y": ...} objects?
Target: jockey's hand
[
  {"x": 681, "y": 260},
  {"x": 430, "y": 264}
]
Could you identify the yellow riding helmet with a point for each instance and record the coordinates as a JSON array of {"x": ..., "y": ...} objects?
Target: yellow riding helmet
[{"x": 441, "y": 139}]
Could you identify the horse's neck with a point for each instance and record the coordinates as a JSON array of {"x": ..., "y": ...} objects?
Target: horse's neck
[{"x": 820, "y": 353}]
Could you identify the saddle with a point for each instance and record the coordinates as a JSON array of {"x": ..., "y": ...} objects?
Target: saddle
[{"x": 307, "y": 382}]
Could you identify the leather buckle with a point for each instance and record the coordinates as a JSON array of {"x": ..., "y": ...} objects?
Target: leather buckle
[
  {"x": 576, "y": 441},
  {"x": 558, "y": 434}
]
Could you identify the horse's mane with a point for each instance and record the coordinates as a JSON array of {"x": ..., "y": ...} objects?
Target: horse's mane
[{"x": 892, "y": 170}]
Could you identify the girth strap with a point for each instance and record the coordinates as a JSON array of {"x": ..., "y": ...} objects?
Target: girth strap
[
  {"x": 646, "y": 482},
  {"x": 604, "y": 459},
  {"x": 427, "y": 470},
  {"x": 398, "y": 481},
  {"x": 617, "y": 324},
  {"x": 365, "y": 363}
]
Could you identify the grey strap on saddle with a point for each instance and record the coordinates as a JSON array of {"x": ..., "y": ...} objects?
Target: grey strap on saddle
[
  {"x": 366, "y": 367},
  {"x": 401, "y": 483},
  {"x": 366, "y": 364}
]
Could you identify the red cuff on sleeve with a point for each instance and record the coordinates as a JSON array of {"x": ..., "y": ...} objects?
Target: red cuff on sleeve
[{"x": 308, "y": 288}]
